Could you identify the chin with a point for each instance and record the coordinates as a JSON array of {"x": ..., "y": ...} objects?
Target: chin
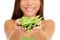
[{"x": 29, "y": 15}]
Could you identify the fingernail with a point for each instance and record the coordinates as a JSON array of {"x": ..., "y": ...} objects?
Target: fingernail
[
  {"x": 17, "y": 21},
  {"x": 25, "y": 28},
  {"x": 34, "y": 27},
  {"x": 31, "y": 30},
  {"x": 37, "y": 27},
  {"x": 22, "y": 28}
]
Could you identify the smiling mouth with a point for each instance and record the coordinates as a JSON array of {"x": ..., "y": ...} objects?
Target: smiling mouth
[{"x": 29, "y": 9}]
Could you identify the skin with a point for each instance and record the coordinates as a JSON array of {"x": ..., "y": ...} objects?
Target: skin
[
  {"x": 29, "y": 8},
  {"x": 13, "y": 33}
]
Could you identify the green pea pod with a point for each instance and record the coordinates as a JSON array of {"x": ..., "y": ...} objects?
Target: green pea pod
[
  {"x": 37, "y": 17},
  {"x": 29, "y": 27},
  {"x": 30, "y": 22},
  {"x": 36, "y": 21}
]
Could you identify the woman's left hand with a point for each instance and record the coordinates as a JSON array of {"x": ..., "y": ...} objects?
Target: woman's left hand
[{"x": 37, "y": 28}]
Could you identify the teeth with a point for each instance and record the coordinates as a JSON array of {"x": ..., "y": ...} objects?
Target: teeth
[{"x": 29, "y": 9}]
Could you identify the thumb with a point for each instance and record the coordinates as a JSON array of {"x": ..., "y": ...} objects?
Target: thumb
[{"x": 17, "y": 22}]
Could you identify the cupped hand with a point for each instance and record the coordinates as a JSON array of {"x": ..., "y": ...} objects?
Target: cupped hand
[
  {"x": 37, "y": 28},
  {"x": 17, "y": 26}
]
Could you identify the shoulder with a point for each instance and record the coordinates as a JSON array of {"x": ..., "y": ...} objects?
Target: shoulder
[
  {"x": 9, "y": 22},
  {"x": 9, "y": 27},
  {"x": 49, "y": 27},
  {"x": 49, "y": 22}
]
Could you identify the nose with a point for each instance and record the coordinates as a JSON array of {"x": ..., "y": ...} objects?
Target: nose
[{"x": 29, "y": 2}]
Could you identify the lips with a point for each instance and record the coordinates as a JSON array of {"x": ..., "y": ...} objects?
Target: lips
[{"x": 29, "y": 9}]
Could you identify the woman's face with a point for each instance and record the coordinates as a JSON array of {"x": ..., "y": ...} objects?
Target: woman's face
[{"x": 30, "y": 7}]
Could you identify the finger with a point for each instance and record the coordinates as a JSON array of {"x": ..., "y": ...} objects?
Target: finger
[
  {"x": 18, "y": 27},
  {"x": 36, "y": 28},
  {"x": 17, "y": 22},
  {"x": 21, "y": 29},
  {"x": 32, "y": 30},
  {"x": 39, "y": 27},
  {"x": 39, "y": 23}
]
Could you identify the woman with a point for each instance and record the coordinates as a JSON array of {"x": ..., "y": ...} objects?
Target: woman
[{"x": 28, "y": 8}]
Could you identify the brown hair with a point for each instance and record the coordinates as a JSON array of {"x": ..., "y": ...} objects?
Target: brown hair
[{"x": 17, "y": 13}]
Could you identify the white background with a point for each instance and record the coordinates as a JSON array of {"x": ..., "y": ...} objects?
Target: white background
[{"x": 51, "y": 11}]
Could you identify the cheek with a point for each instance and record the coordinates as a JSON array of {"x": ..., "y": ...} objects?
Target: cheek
[
  {"x": 22, "y": 4},
  {"x": 38, "y": 5}
]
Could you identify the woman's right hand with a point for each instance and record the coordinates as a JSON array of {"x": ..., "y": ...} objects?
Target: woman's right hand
[
  {"x": 18, "y": 32},
  {"x": 17, "y": 26}
]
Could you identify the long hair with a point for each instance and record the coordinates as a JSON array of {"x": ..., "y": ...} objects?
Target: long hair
[{"x": 17, "y": 13}]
